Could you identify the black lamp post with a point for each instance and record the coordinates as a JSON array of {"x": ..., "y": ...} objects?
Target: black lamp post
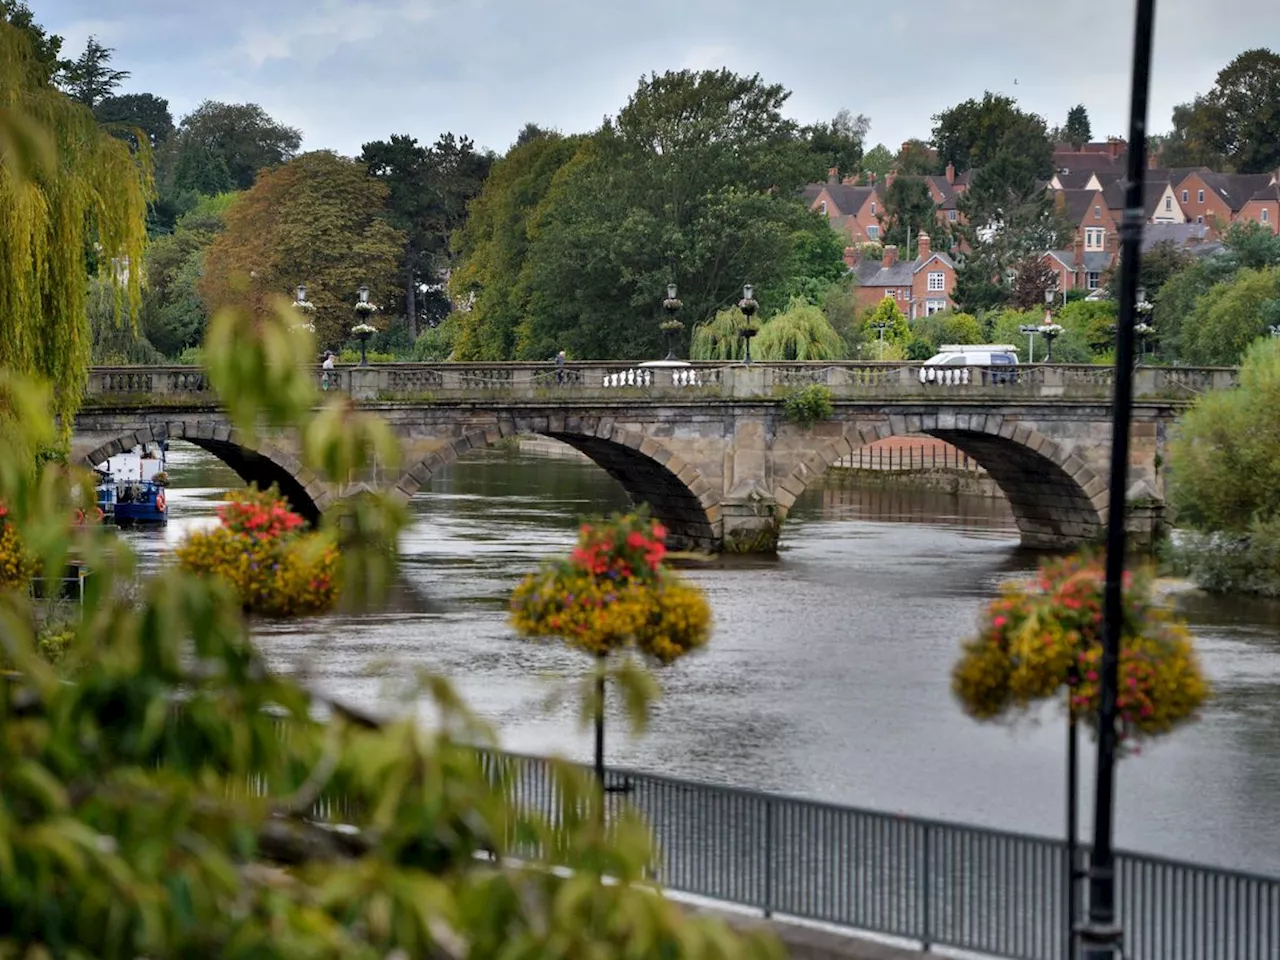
[
  {"x": 882, "y": 326},
  {"x": 363, "y": 311},
  {"x": 1050, "y": 332},
  {"x": 1101, "y": 935},
  {"x": 304, "y": 308},
  {"x": 748, "y": 306},
  {"x": 671, "y": 327}
]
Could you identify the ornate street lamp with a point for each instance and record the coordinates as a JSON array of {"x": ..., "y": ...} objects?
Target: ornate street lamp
[
  {"x": 1050, "y": 331},
  {"x": 748, "y": 306},
  {"x": 671, "y": 326},
  {"x": 882, "y": 326},
  {"x": 305, "y": 310},
  {"x": 364, "y": 330}
]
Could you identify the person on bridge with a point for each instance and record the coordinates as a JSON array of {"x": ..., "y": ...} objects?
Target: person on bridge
[
  {"x": 560, "y": 367},
  {"x": 327, "y": 366}
]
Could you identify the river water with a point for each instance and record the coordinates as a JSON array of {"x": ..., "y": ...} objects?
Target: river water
[{"x": 828, "y": 673}]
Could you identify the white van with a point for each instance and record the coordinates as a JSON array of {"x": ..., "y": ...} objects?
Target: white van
[{"x": 952, "y": 364}]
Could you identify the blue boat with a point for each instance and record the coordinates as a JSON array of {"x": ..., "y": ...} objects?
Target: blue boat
[{"x": 140, "y": 503}]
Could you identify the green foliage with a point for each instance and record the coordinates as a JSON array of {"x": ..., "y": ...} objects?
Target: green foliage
[
  {"x": 428, "y": 193},
  {"x": 436, "y": 344},
  {"x": 136, "y": 113},
  {"x": 1251, "y": 246},
  {"x": 886, "y": 311},
  {"x": 940, "y": 328},
  {"x": 1071, "y": 347},
  {"x": 223, "y": 146},
  {"x": 319, "y": 219},
  {"x": 173, "y": 312},
  {"x": 720, "y": 338},
  {"x": 696, "y": 181},
  {"x": 115, "y": 339},
  {"x": 975, "y": 133},
  {"x": 1224, "y": 467},
  {"x": 817, "y": 261},
  {"x": 878, "y": 161},
  {"x": 89, "y": 79},
  {"x": 917, "y": 158},
  {"x": 1091, "y": 322},
  {"x": 1078, "y": 130},
  {"x": 801, "y": 332},
  {"x": 838, "y": 144},
  {"x": 64, "y": 186},
  {"x": 908, "y": 209},
  {"x": 1236, "y": 123},
  {"x": 46, "y": 48},
  {"x": 1229, "y": 317},
  {"x": 806, "y": 406},
  {"x": 493, "y": 245}
]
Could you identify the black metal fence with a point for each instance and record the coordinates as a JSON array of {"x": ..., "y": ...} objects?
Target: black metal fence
[{"x": 988, "y": 891}]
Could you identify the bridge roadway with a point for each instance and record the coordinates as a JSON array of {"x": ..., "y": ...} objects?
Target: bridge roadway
[{"x": 709, "y": 446}]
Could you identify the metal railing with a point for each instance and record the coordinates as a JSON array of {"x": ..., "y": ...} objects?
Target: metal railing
[
  {"x": 428, "y": 382},
  {"x": 910, "y": 457},
  {"x": 988, "y": 891}
]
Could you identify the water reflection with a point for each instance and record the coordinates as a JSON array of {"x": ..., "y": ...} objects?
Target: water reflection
[{"x": 828, "y": 675}]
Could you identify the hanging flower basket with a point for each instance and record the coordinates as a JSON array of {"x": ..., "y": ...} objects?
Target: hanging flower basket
[
  {"x": 365, "y": 308},
  {"x": 304, "y": 306},
  {"x": 263, "y": 552},
  {"x": 1043, "y": 638},
  {"x": 670, "y": 326},
  {"x": 364, "y": 330}
]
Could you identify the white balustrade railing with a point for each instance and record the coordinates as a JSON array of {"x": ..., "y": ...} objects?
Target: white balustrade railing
[{"x": 427, "y": 382}]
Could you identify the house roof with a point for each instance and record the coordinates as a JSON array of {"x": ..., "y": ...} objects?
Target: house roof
[
  {"x": 1076, "y": 203},
  {"x": 1152, "y": 192},
  {"x": 1270, "y": 192},
  {"x": 1074, "y": 179},
  {"x": 1235, "y": 189},
  {"x": 811, "y": 191},
  {"x": 1179, "y": 234},
  {"x": 1095, "y": 261},
  {"x": 848, "y": 199},
  {"x": 873, "y": 273}
]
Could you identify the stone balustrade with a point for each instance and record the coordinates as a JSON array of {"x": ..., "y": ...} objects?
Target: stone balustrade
[{"x": 428, "y": 382}]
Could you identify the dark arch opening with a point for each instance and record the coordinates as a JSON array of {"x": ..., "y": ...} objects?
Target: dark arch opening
[
  {"x": 257, "y": 469},
  {"x": 647, "y": 481},
  {"x": 1052, "y": 509}
]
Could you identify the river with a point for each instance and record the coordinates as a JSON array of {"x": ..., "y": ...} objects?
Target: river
[{"x": 828, "y": 673}]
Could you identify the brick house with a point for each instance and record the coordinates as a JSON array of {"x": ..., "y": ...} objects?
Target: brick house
[
  {"x": 1216, "y": 199},
  {"x": 851, "y": 210},
  {"x": 921, "y": 287},
  {"x": 1264, "y": 207},
  {"x": 1095, "y": 223}
]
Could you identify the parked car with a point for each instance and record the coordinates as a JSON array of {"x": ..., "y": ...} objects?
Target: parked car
[{"x": 955, "y": 362}]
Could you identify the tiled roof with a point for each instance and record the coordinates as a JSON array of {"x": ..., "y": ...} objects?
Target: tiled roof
[
  {"x": 873, "y": 273},
  {"x": 1075, "y": 179},
  {"x": 811, "y": 191},
  {"x": 1179, "y": 234},
  {"x": 848, "y": 199},
  {"x": 1236, "y": 189},
  {"x": 1075, "y": 204},
  {"x": 1095, "y": 261},
  {"x": 1270, "y": 192},
  {"x": 1153, "y": 191}
]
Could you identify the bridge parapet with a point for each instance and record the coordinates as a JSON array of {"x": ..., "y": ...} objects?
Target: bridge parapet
[{"x": 425, "y": 382}]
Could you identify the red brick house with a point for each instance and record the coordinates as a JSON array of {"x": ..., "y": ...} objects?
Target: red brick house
[
  {"x": 851, "y": 210},
  {"x": 1264, "y": 207},
  {"x": 1216, "y": 199},
  {"x": 921, "y": 287}
]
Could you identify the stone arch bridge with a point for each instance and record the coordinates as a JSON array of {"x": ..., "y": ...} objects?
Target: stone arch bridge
[{"x": 709, "y": 447}]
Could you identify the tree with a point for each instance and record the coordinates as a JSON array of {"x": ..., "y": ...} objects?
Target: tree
[
  {"x": 973, "y": 133},
  {"x": 896, "y": 331},
  {"x": 1230, "y": 316},
  {"x": 64, "y": 185},
  {"x": 720, "y": 338},
  {"x": 697, "y": 182},
  {"x": 90, "y": 79},
  {"x": 494, "y": 242},
  {"x": 531, "y": 131},
  {"x": 1238, "y": 120},
  {"x": 1078, "y": 129},
  {"x": 173, "y": 312},
  {"x": 319, "y": 220},
  {"x": 1250, "y": 245},
  {"x": 1188, "y": 144},
  {"x": 132, "y": 113},
  {"x": 240, "y": 139},
  {"x": 838, "y": 144},
  {"x": 801, "y": 332},
  {"x": 46, "y": 48},
  {"x": 878, "y": 161},
  {"x": 429, "y": 190},
  {"x": 908, "y": 210},
  {"x": 916, "y": 158},
  {"x": 1032, "y": 277}
]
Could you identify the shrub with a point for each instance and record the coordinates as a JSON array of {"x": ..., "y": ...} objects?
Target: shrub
[
  {"x": 15, "y": 563},
  {"x": 261, "y": 551},
  {"x": 808, "y": 405}
]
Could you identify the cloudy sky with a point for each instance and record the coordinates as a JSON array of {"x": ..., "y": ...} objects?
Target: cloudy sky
[{"x": 348, "y": 71}]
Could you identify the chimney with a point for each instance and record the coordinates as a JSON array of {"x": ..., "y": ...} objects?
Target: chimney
[
  {"x": 851, "y": 257},
  {"x": 1115, "y": 147},
  {"x": 1153, "y": 161},
  {"x": 890, "y": 255},
  {"x": 833, "y": 175},
  {"x": 1079, "y": 259},
  {"x": 951, "y": 173},
  {"x": 922, "y": 244},
  {"x": 889, "y": 178}
]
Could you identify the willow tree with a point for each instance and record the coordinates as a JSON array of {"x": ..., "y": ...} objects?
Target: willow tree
[
  {"x": 67, "y": 188},
  {"x": 801, "y": 332}
]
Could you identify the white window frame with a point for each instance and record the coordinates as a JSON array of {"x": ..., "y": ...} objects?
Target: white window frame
[
  {"x": 891, "y": 294},
  {"x": 937, "y": 281},
  {"x": 822, "y": 205},
  {"x": 951, "y": 215},
  {"x": 1097, "y": 213},
  {"x": 1199, "y": 196},
  {"x": 1186, "y": 196},
  {"x": 873, "y": 232},
  {"x": 1200, "y": 219},
  {"x": 873, "y": 208},
  {"x": 934, "y": 306},
  {"x": 1095, "y": 238},
  {"x": 1092, "y": 280},
  {"x": 1266, "y": 215},
  {"x": 1168, "y": 204}
]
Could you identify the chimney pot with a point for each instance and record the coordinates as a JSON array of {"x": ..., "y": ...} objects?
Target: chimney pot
[
  {"x": 890, "y": 255},
  {"x": 851, "y": 256},
  {"x": 951, "y": 173},
  {"x": 923, "y": 246}
]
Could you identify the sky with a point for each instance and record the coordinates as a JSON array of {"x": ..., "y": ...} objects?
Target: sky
[{"x": 345, "y": 72}]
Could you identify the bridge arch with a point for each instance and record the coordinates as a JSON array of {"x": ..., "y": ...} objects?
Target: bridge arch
[
  {"x": 676, "y": 494},
  {"x": 1057, "y": 499},
  {"x": 261, "y": 462}
]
